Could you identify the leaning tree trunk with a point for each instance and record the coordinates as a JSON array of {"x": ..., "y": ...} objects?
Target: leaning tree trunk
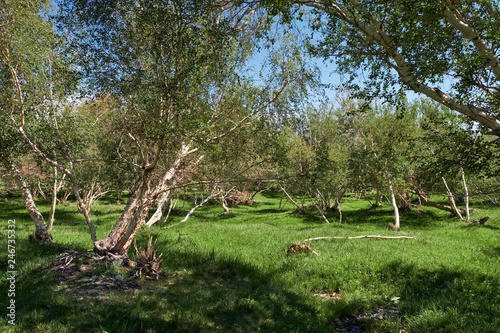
[
  {"x": 452, "y": 200},
  {"x": 142, "y": 198},
  {"x": 318, "y": 208},
  {"x": 41, "y": 232},
  {"x": 133, "y": 217},
  {"x": 300, "y": 208},
  {"x": 159, "y": 209},
  {"x": 426, "y": 202}
]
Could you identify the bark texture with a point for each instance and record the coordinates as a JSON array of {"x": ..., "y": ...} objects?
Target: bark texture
[{"x": 142, "y": 198}]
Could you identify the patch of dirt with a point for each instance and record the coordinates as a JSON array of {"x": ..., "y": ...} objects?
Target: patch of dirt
[
  {"x": 363, "y": 321},
  {"x": 328, "y": 296},
  {"x": 78, "y": 278},
  {"x": 300, "y": 249}
]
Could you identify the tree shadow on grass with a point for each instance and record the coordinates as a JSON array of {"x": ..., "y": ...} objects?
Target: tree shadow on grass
[
  {"x": 269, "y": 211},
  {"x": 491, "y": 227},
  {"x": 445, "y": 300},
  {"x": 272, "y": 194},
  {"x": 211, "y": 293},
  {"x": 382, "y": 216},
  {"x": 493, "y": 251}
]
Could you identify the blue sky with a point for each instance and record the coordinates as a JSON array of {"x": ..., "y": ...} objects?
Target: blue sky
[{"x": 327, "y": 68}]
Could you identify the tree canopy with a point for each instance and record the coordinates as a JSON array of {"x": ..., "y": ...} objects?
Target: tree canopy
[
  {"x": 445, "y": 50},
  {"x": 150, "y": 97}
]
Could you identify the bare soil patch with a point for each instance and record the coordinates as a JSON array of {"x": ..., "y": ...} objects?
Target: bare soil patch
[{"x": 81, "y": 276}]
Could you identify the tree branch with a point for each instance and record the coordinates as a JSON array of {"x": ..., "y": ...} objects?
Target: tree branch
[
  {"x": 359, "y": 237},
  {"x": 469, "y": 33}
]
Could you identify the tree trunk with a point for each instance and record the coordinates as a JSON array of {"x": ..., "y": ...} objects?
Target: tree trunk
[
  {"x": 394, "y": 206},
  {"x": 466, "y": 196},
  {"x": 119, "y": 196},
  {"x": 452, "y": 200},
  {"x": 300, "y": 208},
  {"x": 405, "y": 202},
  {"x": 41, "y": 232},
  {"x": 337, "y": 207},
  {"x": 70, "y": 173},
  {"x": 132, "y": 218},
  {"x": 378, "y": 200},
  {"x": 159, "y": 209},
  {"x": 427, "y": 202},
  {"x": 318, "y": 208},
  {"x": 82, "y": 208},
  {"x": 135, "y": 213},
  {"x": 223, "y": 202},
  {"x": 55, "y": 190}
]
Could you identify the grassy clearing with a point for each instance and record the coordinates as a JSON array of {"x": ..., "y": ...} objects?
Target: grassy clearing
[{"x": 230, "y": 272}]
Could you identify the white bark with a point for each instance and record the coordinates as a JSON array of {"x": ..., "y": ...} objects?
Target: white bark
[
  {"x": 299, "y": 207},
  {"x": 360, "y": 237},
  {"x": 394, "y": 206},
  {"x": 41, "y": 231},
  {"x": 54, "y": 202},
  {"x": 318, "y": 208},
  {"x": 71, "y": 175},
  {"x": 456, "y": 20},
  {"x": 159, "y": 209},
  {"x": 193, "y": 209},
  {"x": 466, "y": 195},
  {"x": 141, "y": 199},
  {"x": 452, "y": 200}
]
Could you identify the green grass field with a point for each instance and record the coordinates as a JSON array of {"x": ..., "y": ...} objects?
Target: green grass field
[{"x": 230, "y": 272}]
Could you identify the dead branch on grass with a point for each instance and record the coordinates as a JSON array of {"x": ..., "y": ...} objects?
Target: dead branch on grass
[{"x": 360, "y": 237}]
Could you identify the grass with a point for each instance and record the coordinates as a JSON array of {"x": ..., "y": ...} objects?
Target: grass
[{"x": 230, "y": 272}]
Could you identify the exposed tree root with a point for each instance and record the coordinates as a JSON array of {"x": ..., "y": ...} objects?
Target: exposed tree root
[
  {"x": 300, "y": 249},
  {"x": 147, "y": 262},
  {"x": 478, "y": 221},
  {"x": 42, "y": 238}
]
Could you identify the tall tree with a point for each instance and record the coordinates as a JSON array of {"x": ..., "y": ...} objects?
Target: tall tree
[
  {"x": 415, "y": 45},
  {"x": 172, "y": 67},
  {"x": 32, "y": 74}
]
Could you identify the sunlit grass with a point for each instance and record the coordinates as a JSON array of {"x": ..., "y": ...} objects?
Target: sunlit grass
[{"x": 230, "y": 271}]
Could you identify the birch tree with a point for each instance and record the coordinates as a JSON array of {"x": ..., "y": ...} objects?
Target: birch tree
[
  {"x": 445, "y": 50},
  {"x": 32, "y": 74},
  {"x": 173, "y": 69}
]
